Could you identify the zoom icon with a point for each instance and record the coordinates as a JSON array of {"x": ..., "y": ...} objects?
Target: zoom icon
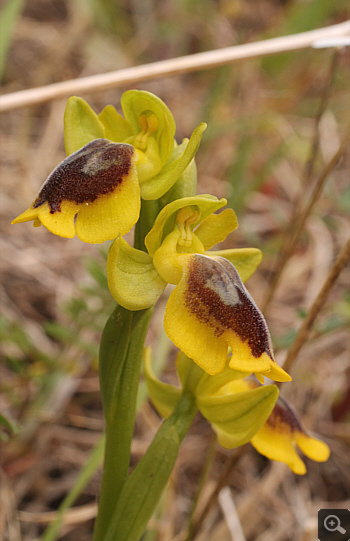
[{"x": 334, "y": 525}]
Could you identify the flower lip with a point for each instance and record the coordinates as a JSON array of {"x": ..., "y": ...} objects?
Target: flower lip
[
  {"x": 220, "y": 300},
  {"x": 94, "y": 170}
]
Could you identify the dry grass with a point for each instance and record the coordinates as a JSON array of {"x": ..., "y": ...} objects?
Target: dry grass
[{"x": 263, "y": 124}]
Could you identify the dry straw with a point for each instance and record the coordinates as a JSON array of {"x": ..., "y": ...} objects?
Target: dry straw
[{"x": 176, "y": 66}]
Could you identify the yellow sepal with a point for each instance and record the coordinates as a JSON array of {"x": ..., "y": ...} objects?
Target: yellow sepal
[
  {"x": 245, "y": 260},
  {"x": 163, "y": 396},
  {"x": 132, "y": 279},
  {"x": 117, "y": 129},
  {"x": 81, "y": 125},
  {"x": 237, "y": 417}
]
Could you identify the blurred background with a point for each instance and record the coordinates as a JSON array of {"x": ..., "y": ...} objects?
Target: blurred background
[{"x": 273, "y": 125}]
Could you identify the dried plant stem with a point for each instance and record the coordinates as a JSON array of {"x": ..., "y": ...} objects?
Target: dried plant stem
[
  {"x": 229, "y": 466},
  {"x": 172, "y": 66},
  {"x": 310, "y": 162},
  {"x": 288, "y": 247},
  {"x": 309, "y": 165},
  {"x": 340, "y": 263}
]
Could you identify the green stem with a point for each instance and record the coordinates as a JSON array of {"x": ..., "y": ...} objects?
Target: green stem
[
  {"x": 120, "y": 364},
  {"x": 142, "y": 490},
  {"x": 148, "y": 214}
]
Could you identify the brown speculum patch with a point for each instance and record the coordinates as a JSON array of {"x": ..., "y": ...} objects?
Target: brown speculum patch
[
  {"x": 94, "y": 170},
  {"x": 283, "y": 417},
  {"x": 241, "y": 315}
]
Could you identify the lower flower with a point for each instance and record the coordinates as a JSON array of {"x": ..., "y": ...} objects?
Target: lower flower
[
  {"x": 240, "y": 410},
  {"x": 283, "y": 433}
]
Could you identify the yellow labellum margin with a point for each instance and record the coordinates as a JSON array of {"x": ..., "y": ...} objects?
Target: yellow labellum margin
[
  {"x": 94, "y": 193},
  {"x": 282, "y": 433},
  {"x": 209, "y": 311}
]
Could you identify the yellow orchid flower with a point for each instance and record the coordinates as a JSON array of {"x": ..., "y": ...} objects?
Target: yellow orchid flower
[
  {"x": 147, "y": 125},
  {"x": 112, "y": 161},
  {"x": 210, "y": 309},
  {"x": 240, "y": 411},
  {"x": 93, "y": 193}
]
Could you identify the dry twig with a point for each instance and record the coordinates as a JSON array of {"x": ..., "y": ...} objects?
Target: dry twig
[
  {"x": 308, "y": 322},
  {"x": 173, "y": 66}
]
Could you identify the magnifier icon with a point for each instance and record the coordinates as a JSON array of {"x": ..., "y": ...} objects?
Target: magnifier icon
[{"x": 332, "y": 524}]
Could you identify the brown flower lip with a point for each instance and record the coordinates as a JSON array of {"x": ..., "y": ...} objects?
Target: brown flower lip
[
  {"x": 218, "y": 298},
  {"x": 96, "y": 169}
]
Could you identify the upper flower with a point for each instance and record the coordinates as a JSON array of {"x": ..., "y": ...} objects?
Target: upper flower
[
  {"x": 240, "y": 411},
  {"x": 93, "y": 193},
  {"x": 147, "y": 125},
  {"x": 112, "y": 161},
  {"x": 210, "y": 310}
]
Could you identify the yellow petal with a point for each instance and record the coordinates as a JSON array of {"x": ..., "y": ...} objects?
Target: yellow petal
[
  {"x": 27, "y": 216},
  {"x": 216, "y": 227},
  {"x": 158, "y": 185},
  {"x": 313, "y": 448},
  {"x": 132, "y": 279},
  {"x": 111, "y": 214},
  {"x": 135, "y": 103},
  {"x": 191, "y": 335},
  {"x": 279, "y": 447},
  {"x": 61, "y": 222}
]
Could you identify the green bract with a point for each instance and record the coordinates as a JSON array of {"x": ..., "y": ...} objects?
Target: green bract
[{"x": 148, "y": 126}]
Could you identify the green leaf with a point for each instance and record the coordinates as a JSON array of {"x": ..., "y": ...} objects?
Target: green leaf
[
  {"x": 142, "y": 491},
  {"x": 120, "y": 364},
  {"x": 133, "y": 281},
  {"x": 81, "y": 125}
]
